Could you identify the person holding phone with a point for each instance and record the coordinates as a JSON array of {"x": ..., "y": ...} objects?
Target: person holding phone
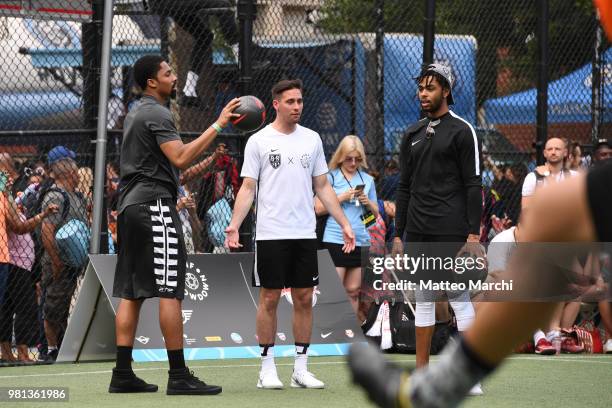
[{"x": 357, "y": 195}]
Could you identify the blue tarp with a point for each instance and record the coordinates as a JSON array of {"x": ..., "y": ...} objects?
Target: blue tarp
[
  {"x": 569, "y": 100},
  {"x": 403, "y": 58},
  {"x": 326, "y": 110}
]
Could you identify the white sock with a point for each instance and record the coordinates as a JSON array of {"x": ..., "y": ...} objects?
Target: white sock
[
  {"x": 464, "y": 311},
  {"x": 301, "y": 358},
  {"x": 537, "y": 336},
  {"x": 267, "y": 358},
  {"x": 190, "y": 84},
  {"x": 51, "y": 348},
  {"x": 550, "y": 336}
]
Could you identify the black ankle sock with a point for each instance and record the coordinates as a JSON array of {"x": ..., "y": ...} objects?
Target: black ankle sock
[
  {"x": 124, "y": 358},
  {"x": 301, "y": 348},
  {"x": 176, "y": 359}
]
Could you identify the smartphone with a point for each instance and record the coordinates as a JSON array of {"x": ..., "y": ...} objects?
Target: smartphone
[{"x": 359, "y": 189}]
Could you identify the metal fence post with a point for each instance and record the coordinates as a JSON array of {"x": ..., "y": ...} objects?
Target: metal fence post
[
  {"x": 596, "y": 83},
  {"x": 429, "y": 32},
  {"x": 99, "y": 223},
  {"x": 246, "y": 14},
  {"x": 379, "y": 148},
  {"x": 542, "y": 95}
]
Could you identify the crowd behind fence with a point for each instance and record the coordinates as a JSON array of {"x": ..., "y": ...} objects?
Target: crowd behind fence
[{"x": 358, "y": 72}]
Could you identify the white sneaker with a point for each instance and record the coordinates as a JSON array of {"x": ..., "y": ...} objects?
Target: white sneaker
[
  {"x": 476, "y": 390},
  {"x": 305, "y": 379},
  {"x": 269, "y": 380},
  {"x": 607, "y": 348}
]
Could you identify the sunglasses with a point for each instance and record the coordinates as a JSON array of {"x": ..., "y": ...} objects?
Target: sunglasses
[
  {"x": 353, "y": 160},
  {"x": 38, "y": 171},
  {"x": 430, "y": 131}
]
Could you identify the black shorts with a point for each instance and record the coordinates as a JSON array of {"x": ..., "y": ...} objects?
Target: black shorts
[
  {"x": 286, "y": 263},
  {"x": 343, "y": 260},
  {"x": 152, "y": 258}
]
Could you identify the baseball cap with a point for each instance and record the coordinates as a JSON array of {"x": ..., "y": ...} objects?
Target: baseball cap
[
  {"x": 603, "y": 142},
  {"x": 59, "y": 153},
  {"x": 446, "y": 73}
]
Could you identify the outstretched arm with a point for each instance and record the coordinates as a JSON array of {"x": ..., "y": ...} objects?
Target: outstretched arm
[
  {"x": 181, "y": 154},
  {"x": 244, "y": 201},
  {"x": 18, "y": 226}
]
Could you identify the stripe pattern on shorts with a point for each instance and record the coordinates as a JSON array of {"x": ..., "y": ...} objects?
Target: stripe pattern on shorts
[{"x": 165, "y": 246}]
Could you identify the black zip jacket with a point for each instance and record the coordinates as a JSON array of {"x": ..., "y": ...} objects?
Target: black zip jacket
[{"x": 440, "y": 187}]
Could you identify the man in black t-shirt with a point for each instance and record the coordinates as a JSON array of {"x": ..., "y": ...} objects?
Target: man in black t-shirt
[
  {"x": 439, "y": 195},
  {"x": 151, "y": 257}
]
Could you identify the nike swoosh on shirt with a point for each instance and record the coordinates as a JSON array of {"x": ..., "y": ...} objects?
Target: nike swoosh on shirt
[
  {"x": 326, "y": 335},
  {"x": 413, "y": 143},
  {"x": 274, "y": 150}
]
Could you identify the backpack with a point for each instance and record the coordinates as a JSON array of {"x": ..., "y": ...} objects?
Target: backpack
[
  {"x": 402, "y": 328},
  {"x": 539, "y": 178},
  {"x": 31, "y": 201},
  {"x": 73, "y": 237}
]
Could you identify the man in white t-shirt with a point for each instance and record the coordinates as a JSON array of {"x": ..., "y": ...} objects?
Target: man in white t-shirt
[
  {"x": 555, "y": 152},
  {"x": 498, "y": 254},
  {"x": 282, "y": 164}
]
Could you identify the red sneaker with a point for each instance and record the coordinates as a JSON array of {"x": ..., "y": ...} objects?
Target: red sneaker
[
  {"x": 569, "y": 345},
  {"x": 545, "y": 348}
]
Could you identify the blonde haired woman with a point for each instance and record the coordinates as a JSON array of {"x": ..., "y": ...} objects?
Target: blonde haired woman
[
  {"x": 357, "y": 195},
  {"x": 85, "y": 181}
]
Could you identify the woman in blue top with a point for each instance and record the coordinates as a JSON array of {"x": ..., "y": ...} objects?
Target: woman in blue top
[{"x": 357, "y": 195}]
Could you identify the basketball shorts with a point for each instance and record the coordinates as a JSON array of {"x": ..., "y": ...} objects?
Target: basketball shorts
[
  {"x": 286, "y": 263},
  {"x": 151, "y": 260}
]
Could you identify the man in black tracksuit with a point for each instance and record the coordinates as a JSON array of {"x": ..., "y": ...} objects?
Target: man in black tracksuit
[{"x": 439, "y": 195}]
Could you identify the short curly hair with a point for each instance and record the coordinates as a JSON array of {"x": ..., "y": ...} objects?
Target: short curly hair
[{"x": 146, "y": 68}]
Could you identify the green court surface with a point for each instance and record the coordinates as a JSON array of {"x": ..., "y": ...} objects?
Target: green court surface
[{"x": 523, "y": 381}]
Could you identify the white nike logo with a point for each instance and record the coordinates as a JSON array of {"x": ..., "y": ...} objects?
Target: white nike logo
[
  {"x": 413, "y": 143},
  {"x": 315, "y": 278},
  {"x": 326, "y": 335}
]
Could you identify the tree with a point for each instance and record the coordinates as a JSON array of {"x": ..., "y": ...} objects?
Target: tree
[{"x": 505, "y": 33}]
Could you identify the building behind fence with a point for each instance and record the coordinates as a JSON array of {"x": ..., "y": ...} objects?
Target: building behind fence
[{"x": 358, "y": 60}]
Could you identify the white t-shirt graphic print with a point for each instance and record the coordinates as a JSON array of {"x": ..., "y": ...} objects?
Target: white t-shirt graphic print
[{"x": 284, "y": 165}]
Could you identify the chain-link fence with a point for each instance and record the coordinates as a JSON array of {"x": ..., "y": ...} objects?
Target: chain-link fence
[{"x": 357, "y": 59}]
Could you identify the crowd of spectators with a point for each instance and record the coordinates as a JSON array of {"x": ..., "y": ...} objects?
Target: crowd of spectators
[{"x": 39, "y": 197}]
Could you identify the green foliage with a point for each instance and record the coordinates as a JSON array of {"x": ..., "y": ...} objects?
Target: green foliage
[{"x": 505, "y": 32}]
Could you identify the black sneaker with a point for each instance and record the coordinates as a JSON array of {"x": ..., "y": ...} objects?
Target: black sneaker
[
  {"x": 385, "y": 383},
  {"x": 183, "y": 382},
  {"x": 51, "y": 356},
  {"x": 124, "y": 380}
]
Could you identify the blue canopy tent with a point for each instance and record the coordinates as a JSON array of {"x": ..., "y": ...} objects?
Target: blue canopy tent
[{"x": 569, "y": 100}]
